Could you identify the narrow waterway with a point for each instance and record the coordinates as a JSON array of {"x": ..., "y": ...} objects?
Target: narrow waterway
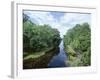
[
  {"x": 59, "y": 59},
  {"x": 52, "y": 59}
]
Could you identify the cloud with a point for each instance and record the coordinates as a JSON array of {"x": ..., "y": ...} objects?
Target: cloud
[
  {"x": 71, "y": 19},
  {"x": 61, "y": 21},
  {"x": 40, "y": 17}
]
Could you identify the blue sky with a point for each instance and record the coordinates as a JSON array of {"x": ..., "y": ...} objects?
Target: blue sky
[{"x": 59, "y": 20}]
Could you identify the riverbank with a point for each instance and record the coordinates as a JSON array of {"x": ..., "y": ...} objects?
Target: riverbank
[
  {"x": 36, "y": 54},
  {"x": 74, "y": 57},
  {"x": 39, "y": 59}
]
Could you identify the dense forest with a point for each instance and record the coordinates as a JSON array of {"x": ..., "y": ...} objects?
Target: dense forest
[
  {"x": 77, "y": 44},
  {"x": 38, "y": 38}
]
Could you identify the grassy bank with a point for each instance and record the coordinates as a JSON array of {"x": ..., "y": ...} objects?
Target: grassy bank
[
  {"x": 39, "y": 59},
  {"x": 74, "y": 57},
  {"x": 33, "y": 55}
]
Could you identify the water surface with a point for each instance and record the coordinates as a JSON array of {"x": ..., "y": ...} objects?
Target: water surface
[{"x": 59, "y": 59}]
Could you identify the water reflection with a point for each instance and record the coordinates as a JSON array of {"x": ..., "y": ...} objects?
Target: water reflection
[
  {"x": 59, "y": 60},
  {"x": 54, "y": 58},
  {"x": 41, "y": 62}
]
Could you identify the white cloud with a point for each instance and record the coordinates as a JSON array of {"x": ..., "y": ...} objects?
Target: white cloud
[
  {"x": 74, "y": 18},
  {"x": 40, "y": 17},
  {"x": 67, "y": 21}
]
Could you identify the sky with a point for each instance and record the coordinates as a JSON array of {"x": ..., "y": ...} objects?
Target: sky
[{"x": 59, "y": 20}]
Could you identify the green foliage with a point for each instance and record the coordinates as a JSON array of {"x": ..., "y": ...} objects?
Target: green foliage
[
  {"x": 25, "y": 17},
  {"x": 39, "y": 37},
  {"x": 79, "y": 39},
  {"x": 71, "y": 51}
]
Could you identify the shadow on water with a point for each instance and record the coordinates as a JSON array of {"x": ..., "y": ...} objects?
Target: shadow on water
[
  {"x": 41, "y": 62},
  {"x": 59, "y": 59},
  {"x": 52, "y": 59}
]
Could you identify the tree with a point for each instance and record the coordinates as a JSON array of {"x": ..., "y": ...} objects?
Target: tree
[
  {"x": 25, "y": 17},
  {"x": 38, "y": 37},
  {"x": 79, "y": 40}
]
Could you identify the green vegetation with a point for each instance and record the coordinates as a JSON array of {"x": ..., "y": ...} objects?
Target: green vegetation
[
  {"x": 36, "y": 54},
  {"x": 77, "y": 43},
  {"x": 38, "y": 38}
]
